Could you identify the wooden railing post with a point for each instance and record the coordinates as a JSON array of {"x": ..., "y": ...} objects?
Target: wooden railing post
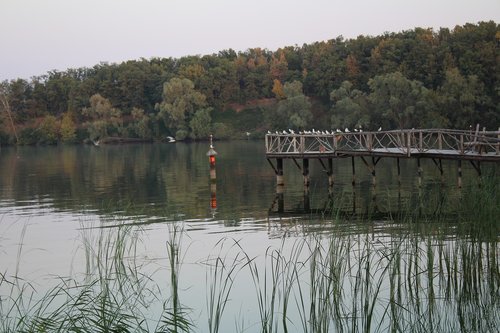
[
  {"x": 497, "y": 148},
  {"x": 408, "y": 144},
  {"x": 421, "y": 141}
]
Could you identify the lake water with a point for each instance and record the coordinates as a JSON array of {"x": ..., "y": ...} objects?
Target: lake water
[{"x": 390, "y": 257}]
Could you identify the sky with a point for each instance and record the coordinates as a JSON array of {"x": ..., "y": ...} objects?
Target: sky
[{"x": 37, "y": 36}]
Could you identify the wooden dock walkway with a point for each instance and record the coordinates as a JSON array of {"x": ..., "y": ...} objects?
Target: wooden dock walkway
[
  {"x": 473, "y": 145},
  {"x": 437, "y": 143}
]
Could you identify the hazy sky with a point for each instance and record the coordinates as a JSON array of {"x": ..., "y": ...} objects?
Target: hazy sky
[{"x": 41, "y": 35}]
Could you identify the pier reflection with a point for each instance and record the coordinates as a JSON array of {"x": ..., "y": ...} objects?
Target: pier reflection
[{"x": 366, "y": 201}]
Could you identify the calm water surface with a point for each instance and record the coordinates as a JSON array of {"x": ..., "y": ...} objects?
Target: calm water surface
[{"x": 59, "y": 204}]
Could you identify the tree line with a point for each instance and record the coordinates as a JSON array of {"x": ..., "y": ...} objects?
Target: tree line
[{"x": 415, "y": 78}]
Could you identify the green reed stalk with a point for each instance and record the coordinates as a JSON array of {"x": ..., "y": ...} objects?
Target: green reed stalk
[
  {"x": 220, "y": 278},
  {"x": 175, "y": 318}
]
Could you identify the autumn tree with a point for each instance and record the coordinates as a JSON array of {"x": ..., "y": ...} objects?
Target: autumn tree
[
  {"x": 278, "y": 90},
  {"x": 352, "y": 67},
  {"x": 68, "y": 128},
  {"x": 279, "y": 66}
]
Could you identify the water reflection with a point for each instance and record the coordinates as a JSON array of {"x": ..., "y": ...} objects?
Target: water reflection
[
  {"x": 366, "y": 200},
  {"x": 395, "y": 256}
]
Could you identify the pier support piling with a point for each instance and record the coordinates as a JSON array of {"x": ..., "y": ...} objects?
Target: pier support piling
[
  {"x": 305, "y": 171},
  {"x": 330, "y": 173},
  {"x": 459, "y": 173},
  {"x": 477, "y": 167},
  {"x": 353, "y": 171},
  {"x": 419, "y": 170},
  {"x": 279, "y": 172},
  {"x": 399, "y": 171}
]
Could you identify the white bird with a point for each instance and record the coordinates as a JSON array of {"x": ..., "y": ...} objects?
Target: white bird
[
  {"x": 268, "y": 132},
  {"x": 291, "y": 131},
  {"x": 339, "y": 131},
  {"x": 379, "y": 129},
  {"x": 284, "y": 132},
  {"x": 355, "y": 129},
  {"x": 347, "y": 130},
  {"x": 327, "y": 133}
]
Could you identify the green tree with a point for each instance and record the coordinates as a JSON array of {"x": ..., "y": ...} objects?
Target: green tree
[
  {"x": 460, "y": 97},
  {"x": 398, "y": 101},
  {"x": 141, "y": 125},
  {"x": 349, "y": 107},
  {"x": 180, "y": 103},
  {"x": 102, "y": 117},
  {"x": 295, "y": 110},
  {"x": 222, "y": 130},
  {"x": 201, "y": 124}
]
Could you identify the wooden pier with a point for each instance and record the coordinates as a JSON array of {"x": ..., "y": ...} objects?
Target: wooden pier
[{"x": 474, "y": 146}]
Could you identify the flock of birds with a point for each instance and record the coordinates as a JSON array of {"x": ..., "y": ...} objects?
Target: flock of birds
[{"x": 326, "y": 132}]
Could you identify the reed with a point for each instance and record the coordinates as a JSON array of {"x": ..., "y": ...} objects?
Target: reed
[
  {"x": 220, "y": 277},
  {"x": 175, "y": 318}
]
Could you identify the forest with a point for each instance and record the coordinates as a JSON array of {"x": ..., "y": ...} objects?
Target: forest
[{"x": 419, "y": 78}]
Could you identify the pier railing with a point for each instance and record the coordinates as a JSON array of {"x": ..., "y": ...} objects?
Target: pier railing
[{"x": 444, "y": 143}]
